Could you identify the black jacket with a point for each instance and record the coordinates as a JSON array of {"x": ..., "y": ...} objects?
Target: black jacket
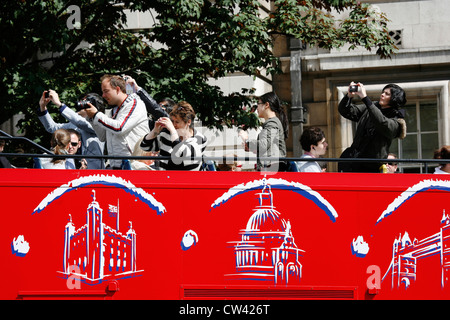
[{"x": 376, "y": 128}]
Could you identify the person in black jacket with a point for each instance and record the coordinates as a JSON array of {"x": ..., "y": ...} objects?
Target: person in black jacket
[
  {"x": 4, "y": 163},
  {"x": 378, "y": 123}
]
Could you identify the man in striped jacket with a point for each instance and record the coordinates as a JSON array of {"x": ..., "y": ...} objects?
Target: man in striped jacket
[{"x": 126, "y": 123}]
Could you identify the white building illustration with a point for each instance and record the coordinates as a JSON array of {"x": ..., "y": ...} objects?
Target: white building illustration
[
  {"x": 407, "y": 254},
  {"x": 267, "y": 250},
  {"x": 99, "y": 252}
]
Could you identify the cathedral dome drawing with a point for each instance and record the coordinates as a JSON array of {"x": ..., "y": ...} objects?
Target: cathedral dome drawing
[
  {"x": 267, "y": 250},
  {"x": 266, "y": 219}
]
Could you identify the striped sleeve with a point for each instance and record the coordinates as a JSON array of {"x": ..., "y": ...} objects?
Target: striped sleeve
[
  {"x": 187, "y": 155},
  {"x": 125, "y": 118}
]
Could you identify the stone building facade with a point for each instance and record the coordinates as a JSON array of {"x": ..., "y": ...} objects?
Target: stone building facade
[{"x": 314, "y": 80}]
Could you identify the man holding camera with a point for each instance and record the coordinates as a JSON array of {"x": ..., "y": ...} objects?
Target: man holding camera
[
  {"x": 126, "y": 123},
  {"x": 90, "y": 144}
]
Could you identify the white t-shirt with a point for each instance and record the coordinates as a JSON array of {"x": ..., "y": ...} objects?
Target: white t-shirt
[
  {"x": 439, "y": 171},
  {"x": 66, "y": 164},
  {"x": 308, "y": 166}
]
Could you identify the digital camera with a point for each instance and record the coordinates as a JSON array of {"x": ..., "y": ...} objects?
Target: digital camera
[
  {"x": 83, "y": 104},
  {"x": 354, "y": 88}
]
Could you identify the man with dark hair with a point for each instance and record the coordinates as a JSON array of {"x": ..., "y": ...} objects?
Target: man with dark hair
[
  {"x": 314, "y": 145},
  {"x": 167, "y": 104},
  {"x": 125, "y": 123}
]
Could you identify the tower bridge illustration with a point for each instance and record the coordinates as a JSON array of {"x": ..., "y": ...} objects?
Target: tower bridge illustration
[
  {"x": 406, "y": 255},
  {"x": 267, "y": 250},
  {"x": 96, "y": 252}
]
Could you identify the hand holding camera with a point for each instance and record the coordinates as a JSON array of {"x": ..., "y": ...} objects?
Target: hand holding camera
[
  {"x": 47, "y": 96},
  {"x": 131, "y": 85},
  {"x": 356, "y": 89},
  {"x": 86, "y": 103},
  {"x": 165, "y": 122},
  {"x": 353, "y": 88}
]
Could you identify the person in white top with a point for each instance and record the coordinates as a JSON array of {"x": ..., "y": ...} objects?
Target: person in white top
[
  {"x": 314, "y": 145},
  {"x": 443, "y": 153},
  {"x": 126, "y": 123}
]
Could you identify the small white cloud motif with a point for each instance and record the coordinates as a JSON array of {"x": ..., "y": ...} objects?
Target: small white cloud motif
[
  {"x": 359, "y": 247},
  {"x": 190, "y": 238},
  {"x": 19, "y": 246}
]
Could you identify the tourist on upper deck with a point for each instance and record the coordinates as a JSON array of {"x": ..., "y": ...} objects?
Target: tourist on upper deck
[
  {"x": 271, "y": 140},
  {"x": 314, "y": 145},
  {"x": 124, "y": 124},
  {"x": 75, "y": 148},
  {"x": 378, "y": 123},
  {"x": 167, "y": 104},
  {"x": 176, "y": 138},
  {"x": 90, "y": 144},
  {"x": 4, "y": 162},
  {"x": 391, "y": 166},
  {"x": 60, "y": 143},
  {"x": 443, "y": 153}
]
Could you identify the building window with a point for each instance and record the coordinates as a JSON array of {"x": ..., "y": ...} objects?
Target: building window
[
  {"x": 422, "y": 139},
  {"x": 396, "y": 36}
]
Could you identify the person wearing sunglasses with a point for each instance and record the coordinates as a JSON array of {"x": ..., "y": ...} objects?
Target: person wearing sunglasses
[
  {"x": 391, "y": 166},
  {"x": 88, "y": 140},
  {"x": 75, "y": 148}
]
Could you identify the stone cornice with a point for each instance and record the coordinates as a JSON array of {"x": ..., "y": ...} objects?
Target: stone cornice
[{"x": 358, "y": 59}]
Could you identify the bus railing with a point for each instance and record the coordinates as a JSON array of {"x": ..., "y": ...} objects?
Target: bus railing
[
  {"x": 206, "y": 159},
  {"x": 229, "y": 160}
]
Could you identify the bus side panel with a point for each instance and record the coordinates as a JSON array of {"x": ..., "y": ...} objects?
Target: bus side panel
[{"x": 69, "y": 234}]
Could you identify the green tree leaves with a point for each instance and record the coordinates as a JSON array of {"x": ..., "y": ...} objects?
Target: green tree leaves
[{"x": 190, "y": 41}]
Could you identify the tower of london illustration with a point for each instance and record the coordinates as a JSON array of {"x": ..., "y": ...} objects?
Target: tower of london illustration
[
  {"x": 98, "y": 251},
  {"x": 267, "y": 250}
]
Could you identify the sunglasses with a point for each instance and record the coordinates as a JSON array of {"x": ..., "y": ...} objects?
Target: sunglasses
[{"x": 74, "y": 144}]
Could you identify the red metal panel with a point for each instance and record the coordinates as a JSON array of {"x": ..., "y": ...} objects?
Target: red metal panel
[{"x": 223, "y": 235}]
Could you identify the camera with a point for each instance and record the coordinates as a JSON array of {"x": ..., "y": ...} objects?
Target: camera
[
  {"x": 46, "y": 94},
  {"x": 83, "y": 104},
  {"x": 354, "y": 88}
]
